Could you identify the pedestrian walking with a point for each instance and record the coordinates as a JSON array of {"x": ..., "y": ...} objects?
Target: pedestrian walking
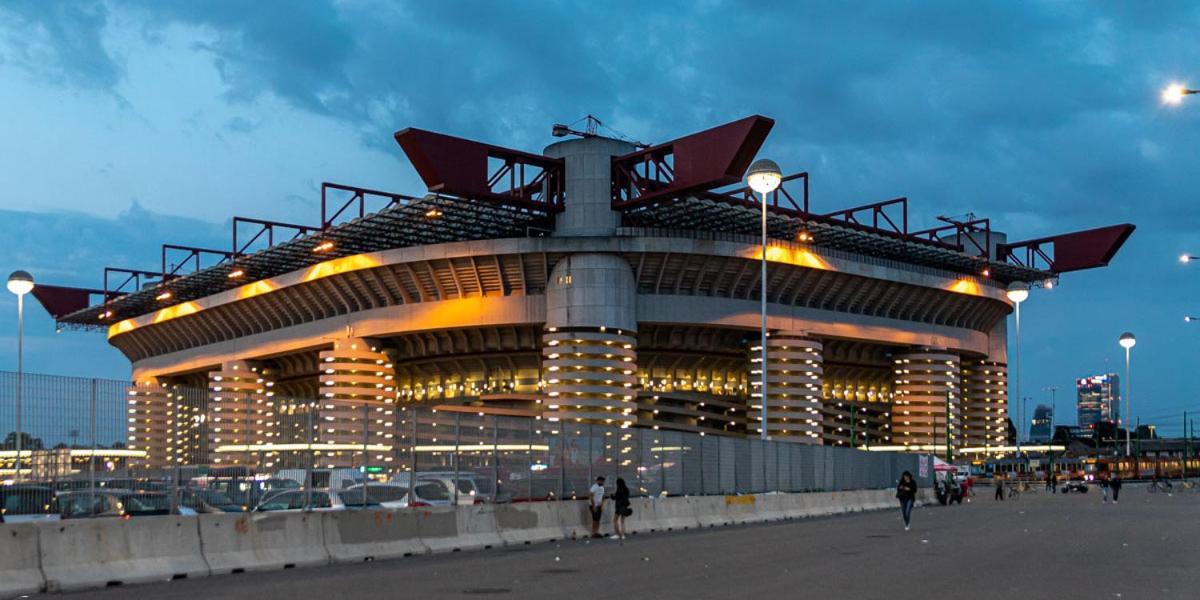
[
  {"x": 906, "y": 492},
  {"x": 596, "y": 504},
  {"x": 621, "y": 509},
  {"x": 1115, "y": 484},
  {"x": 1104, "y": 487},
  {"x": 1049, "y": 480},
  {"x": 998, "y": 481}
]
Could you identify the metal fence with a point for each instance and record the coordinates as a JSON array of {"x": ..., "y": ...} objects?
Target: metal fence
[{"x": 92, "y": 447}]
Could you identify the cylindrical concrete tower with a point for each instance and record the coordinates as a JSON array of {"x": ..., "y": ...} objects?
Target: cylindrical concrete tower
[
  {"x": 589, "y": 356},
  {"x": 985, "y": 403},
  {"x": 587, "y": 209},
  {"x": 794, "y": 373},
  {"x": 928, "y": 404}
]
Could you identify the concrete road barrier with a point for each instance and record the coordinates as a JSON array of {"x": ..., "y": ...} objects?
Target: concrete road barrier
[
  {"x": 575, "y": 518},
  {"x": 20, "y": 572},
  {"x": 80, "y": 554},
  {"x": 477, "y": 528},
  {"x": 675, "y": 513},
  {"x": 357, "y": 536},
  {"x": 711, "y": 511},
  {"x": 741, "y": 509},
  {"x": 234, "y": 543},
  {"x": 528, "y": 522}
]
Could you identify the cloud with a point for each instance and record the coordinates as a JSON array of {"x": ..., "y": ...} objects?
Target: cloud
[{"x": 60, "y": 41}]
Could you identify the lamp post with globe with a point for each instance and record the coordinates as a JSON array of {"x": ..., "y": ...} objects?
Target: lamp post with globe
[
  {"x": 763, "y": 177},
  {"x": 1018, "y": 292},
  {"x": 19, "y": 283},
  {"x": 1127, "y": 341}
]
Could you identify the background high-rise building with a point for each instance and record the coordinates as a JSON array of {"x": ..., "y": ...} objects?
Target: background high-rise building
[
  {"x": 1098, "y": 399},
  {"x": 1040, "y": 426}
]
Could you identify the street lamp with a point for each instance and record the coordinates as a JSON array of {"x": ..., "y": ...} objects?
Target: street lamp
[
  {"x": 1173, "y": 94},
  {"x": 1190, "y": 319},
  {"x": 764, "y": 177},
  {"x": 1187, "y": 258},
  {"x": 1127, "y": 342},
  {"x": 1018, "y": 292},
  {"x": 19, "y": 283}
]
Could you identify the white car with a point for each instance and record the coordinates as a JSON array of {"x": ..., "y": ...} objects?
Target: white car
[
  {"x": 438, "y": 490},
  {"x": 294, "y": 501}
]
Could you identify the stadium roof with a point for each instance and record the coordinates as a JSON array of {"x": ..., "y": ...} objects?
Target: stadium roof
[{"x": 479, "y": 191}]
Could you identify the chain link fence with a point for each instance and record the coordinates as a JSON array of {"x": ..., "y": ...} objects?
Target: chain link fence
[{"x": 93, "y": 447}]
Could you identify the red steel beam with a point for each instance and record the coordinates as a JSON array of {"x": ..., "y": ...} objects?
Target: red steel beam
[
  {"x": 460, "y": 167},
  {"x": 59, "y": 300},
  {"x": 1069, "y": 251},
  {"x": 698, "y": 162}
]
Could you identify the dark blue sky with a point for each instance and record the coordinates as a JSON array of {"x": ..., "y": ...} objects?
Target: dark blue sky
[{"x": 125, "y": 127}]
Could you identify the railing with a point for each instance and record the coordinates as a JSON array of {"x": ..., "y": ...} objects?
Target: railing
[{"x": 87, "y": 445}]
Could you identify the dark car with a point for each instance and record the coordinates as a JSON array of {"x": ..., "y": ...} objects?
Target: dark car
[
  {"x": 1075, "y": 485},
  {"x": 208, "y": 501},
  {"x": 19, "y": 503},
  {"x": 114, "y": 503}
]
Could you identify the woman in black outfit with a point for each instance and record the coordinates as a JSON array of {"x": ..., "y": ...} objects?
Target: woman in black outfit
[
  {"x": 621, "y": 502},
  {"x": 906, "y": 492}
]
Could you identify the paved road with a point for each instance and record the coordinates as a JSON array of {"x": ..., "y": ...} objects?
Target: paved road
[{"x": 1040, "y": 546}]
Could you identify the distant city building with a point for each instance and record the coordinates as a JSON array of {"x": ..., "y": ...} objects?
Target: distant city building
[
  {"x": 1039, "y": 428},
  {"x": 1098, "y": 399}
]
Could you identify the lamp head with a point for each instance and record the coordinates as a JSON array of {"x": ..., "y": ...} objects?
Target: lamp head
[
  {"x": 1174, "y": 93},
  {"x": 1018, "y": 291},
  {"x": 20, "y": 283},
  {"x": 764, "y": 176},
  {"x": 1127, "y": 340},
  {"x": 1185, "y": 258}
]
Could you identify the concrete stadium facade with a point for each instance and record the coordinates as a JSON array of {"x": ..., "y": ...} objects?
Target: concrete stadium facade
[{"x": 597, "y": 318}]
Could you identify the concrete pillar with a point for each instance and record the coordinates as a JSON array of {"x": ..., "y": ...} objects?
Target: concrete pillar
[
  {"x": 588, "y": 183},
  {"x": 927, "y": 393},
  {"x": 240, "y": 413},
  {"x": 794, "y": 374},
  {"x": 589, "y": 355},
  {"x": 985, "y": 403},
  {"x": 357, "y": 383}
]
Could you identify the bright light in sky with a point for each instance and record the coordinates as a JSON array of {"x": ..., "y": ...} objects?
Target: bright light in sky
[{"x": 1174, "y": 93}]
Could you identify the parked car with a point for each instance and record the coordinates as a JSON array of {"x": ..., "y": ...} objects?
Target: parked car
[
  {"x": 22, "y": 503},
  {"x": 116, "y": 503},
  {"x": 480, "y": 486},
  {"x": 1075, "y": 485},
  {"x": 386, "y": 495},
  {"x": 294, "y": 501},
  {"x": 333, "y": 479},
  {"x": 249, "y": 492},
  {"x": 437, "y": 489},
  {"x": 204, "y": 500}
]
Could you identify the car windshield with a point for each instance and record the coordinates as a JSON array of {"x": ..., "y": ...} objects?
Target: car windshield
[
  {"x": 213, "y": 497},
  {"x": 376, "y": 494},
  {"x": 432, "y": 490},
  {"x": 146, "y": 503},
  {"x": 293, "y": 500},
  {"x": 28, "y": 501}
]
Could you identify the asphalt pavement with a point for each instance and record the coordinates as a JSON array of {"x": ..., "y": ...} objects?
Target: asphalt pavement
[{"x": 1037, "y": 546}]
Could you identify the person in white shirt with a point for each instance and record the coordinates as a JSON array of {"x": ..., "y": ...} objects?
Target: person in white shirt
[{"x": 596, "y": 504}]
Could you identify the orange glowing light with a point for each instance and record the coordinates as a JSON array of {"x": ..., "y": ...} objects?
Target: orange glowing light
[
  {"x": 121, "y": 327},
  {"x": 338, "y": 266},
  {"x": 325, "y": 246},
  {"x": 965, "y": 286},
  {"x": 255, "y": 289},
  {"x": 172, "y": 312},
  {"x": 163, "y": 296},
  {"x": 234, "y": 274}
]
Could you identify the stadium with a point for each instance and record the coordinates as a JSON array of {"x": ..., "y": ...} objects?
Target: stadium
[{"x": 600, "y": 281}]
